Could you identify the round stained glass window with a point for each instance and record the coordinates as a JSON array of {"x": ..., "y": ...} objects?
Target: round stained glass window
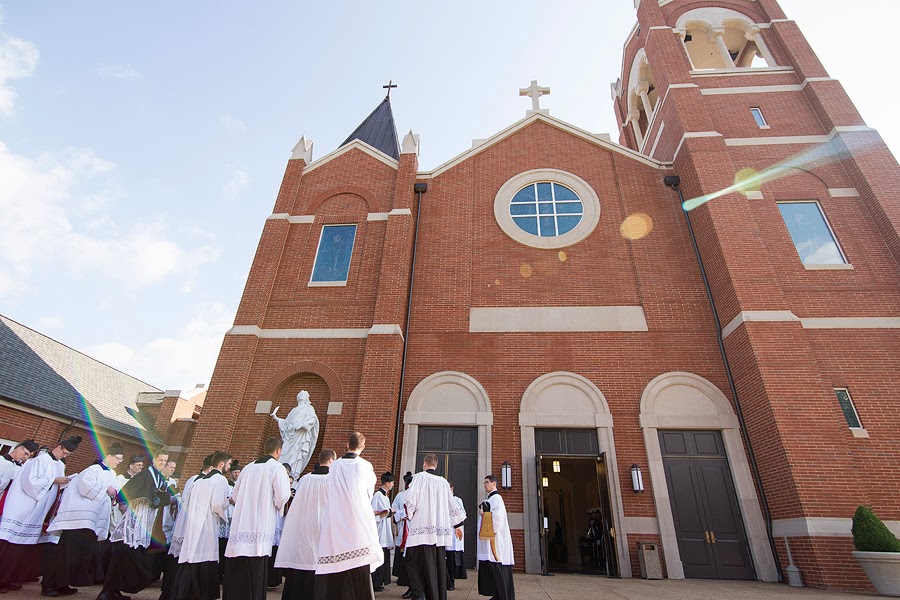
[{"x": 546, "y": 209}]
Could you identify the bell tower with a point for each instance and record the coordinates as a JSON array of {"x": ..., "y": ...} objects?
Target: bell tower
[{"x": 793, "y": 201}]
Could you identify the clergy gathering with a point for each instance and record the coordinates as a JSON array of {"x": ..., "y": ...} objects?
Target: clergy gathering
[{"x": 236, "y": 531}]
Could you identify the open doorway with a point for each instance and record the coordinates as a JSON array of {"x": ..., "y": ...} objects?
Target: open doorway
[{"x": 579, "y": 536}]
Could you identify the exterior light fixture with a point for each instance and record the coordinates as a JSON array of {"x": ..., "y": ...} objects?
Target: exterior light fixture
[
  {"x": 637, "y": 480},
  {"x": 556, "y": 466},
  {"x": 506, "y": 475},
  {"x": 545, "y": 481}
]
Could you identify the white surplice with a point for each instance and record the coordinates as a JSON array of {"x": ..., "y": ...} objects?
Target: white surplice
[
  {"x": 115, "y": 515},
  {"x": 29, "y": 499},
  {"x": 225, "y": 526},
  {"x": 203, "y": 511},
  {"x": 260, "y": 493},
  {"x": 85, "y": 503},
  {"x": 349, "y": 537},
  {"x": 458, "y": 545},
  {"x": 299, "y": 548},
  {"x": 399, "y": 509},
  {"x": 502, "y": 539},
  {"x": 9, "y": 470},
  {"x": 381, "y": 502},
  {"x": 431, "y": 511}
]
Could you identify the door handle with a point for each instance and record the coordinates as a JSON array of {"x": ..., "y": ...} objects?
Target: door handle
[
  {"x": 706, "y": 535},
  {"x": 712, "y": 536}
]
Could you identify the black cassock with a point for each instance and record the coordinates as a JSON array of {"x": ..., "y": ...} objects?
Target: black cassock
[
  {"x": 427, "y": 571},
  {"x": 353, "y": 584},
  {"x": 73, "y": 561}
]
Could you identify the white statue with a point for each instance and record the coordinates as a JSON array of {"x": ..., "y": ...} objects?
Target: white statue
[{"x": 299, "y": 432}]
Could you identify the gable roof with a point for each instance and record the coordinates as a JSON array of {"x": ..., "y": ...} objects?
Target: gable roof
[
  {"x": 378, "y": 130},
  {"x": 554, "y": 122},
  {"x": 39, "y": 372}
]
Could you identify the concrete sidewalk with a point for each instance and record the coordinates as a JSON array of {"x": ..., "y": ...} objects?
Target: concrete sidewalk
[{"x": 565, "y": 587}]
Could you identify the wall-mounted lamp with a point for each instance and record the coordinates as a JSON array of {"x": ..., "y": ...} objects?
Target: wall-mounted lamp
[
  {"x": 556, "y": 466},
  {"x": 506, "y": 475},
  {"x": 637, "y": 480},
  {"x": 545, "y": 481}
]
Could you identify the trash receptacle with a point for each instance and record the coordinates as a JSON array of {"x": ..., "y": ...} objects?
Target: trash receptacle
[{"x": 648, "y": 556}]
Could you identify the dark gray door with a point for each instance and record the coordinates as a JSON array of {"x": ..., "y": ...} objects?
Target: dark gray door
[
  {"x": 457, "y": 452},
  {"x": 708, "y": 523}
]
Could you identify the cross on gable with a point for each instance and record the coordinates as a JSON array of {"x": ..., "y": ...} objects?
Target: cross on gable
[
  {"x": 389, "y": 86},
  {"x": 535, "y": 91}
]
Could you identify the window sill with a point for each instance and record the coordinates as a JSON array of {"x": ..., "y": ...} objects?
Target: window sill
[
  {"x": 327, "y": 284},
  {"x": 842, "y": 267},
  {"x": 859, "y": 432},
  {"x": 765, "y": 127}
]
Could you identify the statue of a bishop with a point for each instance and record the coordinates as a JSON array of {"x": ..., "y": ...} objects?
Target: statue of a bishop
[{"x": 299, "y": 432}]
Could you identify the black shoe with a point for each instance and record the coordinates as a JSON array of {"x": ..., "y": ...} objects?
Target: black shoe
[
  {"x": 120, "y": 596},
  {"x": 14, "y": 586},
  {"x": 67, "y": 591},
  {"x": 378, "y": 589},
  {"x": 451, "y": 587},
  {"x": 408, "y": 594},
  {"x": 51, "y": 593}
]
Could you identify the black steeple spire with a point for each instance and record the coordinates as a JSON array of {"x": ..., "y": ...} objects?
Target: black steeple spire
[{"x": 378, "y": 130}]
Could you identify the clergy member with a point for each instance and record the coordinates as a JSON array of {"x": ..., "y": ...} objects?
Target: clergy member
[
  {"x": 234, "y": 471},
  {"x": 204, "y": 508},
  {"x": 298, "y": 554},
  {"x": 399, "y": 509},
  {"x": 71, "y": 558},
  {"x": 130, "y": 565},
  {"x": 259, "y": 497},
  {"x": 381, "y": 506},
  {"x": 433, "y": 519},
  {"x": 11, "y": 462},
  {"x": 135, "y": 466},
  {"x": 30, "y": 497},
  {"x": 495, "y": 550},
  {"x": 273, "y": 575},
  {"x": 456, "y": 566},
  {"x": 349, "y": 549}
]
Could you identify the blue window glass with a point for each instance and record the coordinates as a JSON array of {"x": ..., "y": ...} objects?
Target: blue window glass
[
  {"x": 810, "y": 233},
  {"x": 527, "y": 224},
  {"x": 557, "y": 208},
  {"x": 333, "y": 256}
]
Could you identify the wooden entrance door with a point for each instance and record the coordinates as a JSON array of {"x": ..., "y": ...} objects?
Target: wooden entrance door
[
  {"x": 708, "y": 523},
  {"x": 457, "y": 452}
]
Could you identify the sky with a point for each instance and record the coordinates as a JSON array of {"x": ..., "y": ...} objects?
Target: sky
[{"x": 142, "y": 144}]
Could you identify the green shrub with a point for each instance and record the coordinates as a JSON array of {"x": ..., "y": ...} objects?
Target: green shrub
[{"x": 870, "y": 534}]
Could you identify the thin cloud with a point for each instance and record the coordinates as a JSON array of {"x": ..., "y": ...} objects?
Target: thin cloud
[
  {"x": 124, "y": 72},
  {"x": 18, "y": 60},
  {"x": 238, "y": 181},
  {"x": 232, "y": 124}
]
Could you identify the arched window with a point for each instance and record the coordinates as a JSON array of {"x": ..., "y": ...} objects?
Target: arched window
[
  {"x": 721, "y": 38},
  {"x": 643, "y": 97}
]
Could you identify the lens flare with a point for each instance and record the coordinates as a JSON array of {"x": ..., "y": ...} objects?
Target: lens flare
[
  {"x": 562, "y": 256},
  {"x": 526, "y": 270},
  {"x": 822, "y": 154},
  {"x": 636, "y": 226}
]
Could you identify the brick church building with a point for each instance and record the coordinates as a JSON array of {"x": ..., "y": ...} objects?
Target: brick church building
[{"x": 719, "y": 382}]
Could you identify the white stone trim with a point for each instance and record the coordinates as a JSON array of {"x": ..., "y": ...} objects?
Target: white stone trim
[
  {"x": 359, "y": 145},
  {"x": 851, "y": 323},
  {"x": 396, "y": 212},
  {"x": 798, "y": 139},
  {"x": 820, "y": 527},
  {"x": 659, "y": 132},
  {"x": 751, "y": 89},
  {"x": 693, "y": 134},
  {"x": 585, "y": 193},
  {"x": 829, "y": 267},
  {"x": 859, "y": 432},
  {"x": 642, "y": 525},
  {"x": 414, "y": 416},
  {"x": 377, "y": 217},
  {"x": 263, "y": 407},
  {"x": 516, "y": 520},
  {"x": 303, "y": 150},
  {"x": 327, "y": 283},
  {"x": 385, "y": 329},
  {"x": 335, "y": 408},
  {"x": 739, "y": 71},
  {"x": 758, "y": 316},
  {"x": 291, "y": 218},
  {"x": 655, "y": 417},
  {"x": 289, "y": 334},
  {"x": 753, "y": 195},
  {"x": 410, "y": 143},
  {"x": 550, "y": 120},
  {"x": 515, "y": 319},
  {"x": 529, "y": 418},
  {"x": 843, "y": 192}
]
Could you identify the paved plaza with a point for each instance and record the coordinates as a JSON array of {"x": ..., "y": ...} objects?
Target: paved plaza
[{"x": 569, "y": 587}]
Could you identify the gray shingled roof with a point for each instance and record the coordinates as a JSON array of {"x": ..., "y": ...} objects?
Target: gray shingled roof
[
  {"x": 378, "y": 130},
  {"x": 40, "y": 372}
]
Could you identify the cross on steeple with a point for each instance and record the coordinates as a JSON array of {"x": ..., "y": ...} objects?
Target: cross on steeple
[
  {"x": 535, "y": 91},
  {"x": 389, "y": 86}
]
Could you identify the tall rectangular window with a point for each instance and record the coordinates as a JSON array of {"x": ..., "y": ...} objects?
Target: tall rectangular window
[
  {"x": 333, "y": 256},
  {"x": 811, "y": 234},
  {"x": 759, "y": 118},
  {"x": 843, "y": 397}
]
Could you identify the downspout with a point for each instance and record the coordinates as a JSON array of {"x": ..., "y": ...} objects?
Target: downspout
[
  {"x": 419, "y": 189},
  {"x": 674, "y": 182}
]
